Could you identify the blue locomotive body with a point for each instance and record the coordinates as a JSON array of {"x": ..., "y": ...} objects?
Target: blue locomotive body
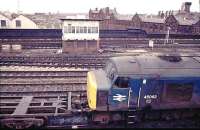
[
  {"x": 145, "y": 82},
  {"x": 163, "y": 93}
]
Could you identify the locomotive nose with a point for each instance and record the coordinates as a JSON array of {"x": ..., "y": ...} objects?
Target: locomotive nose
[{"x": 91, "y": 90}]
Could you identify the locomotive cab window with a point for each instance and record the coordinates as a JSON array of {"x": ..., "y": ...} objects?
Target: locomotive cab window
[
  {"x": 175, "y": 92},
  {"x": 122, "y": 82}
]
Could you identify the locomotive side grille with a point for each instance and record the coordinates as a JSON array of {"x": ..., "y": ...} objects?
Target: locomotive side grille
[{"x": 175, "y": 92}]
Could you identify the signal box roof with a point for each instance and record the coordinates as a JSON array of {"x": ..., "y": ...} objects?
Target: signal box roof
[{"x": 81, "y": 19}]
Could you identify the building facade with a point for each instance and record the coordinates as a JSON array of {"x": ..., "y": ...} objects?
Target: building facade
[
  {"x": 23, "y": 22},
  {"x": 5, "y": 22},
  {"x": 182, "y": 21},
  {"x": 15, "y": 21}
]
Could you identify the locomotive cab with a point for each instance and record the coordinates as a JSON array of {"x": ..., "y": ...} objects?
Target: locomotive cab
[
  {"x": 113, "y": 94},
  {"x": 108, "y": 90}
]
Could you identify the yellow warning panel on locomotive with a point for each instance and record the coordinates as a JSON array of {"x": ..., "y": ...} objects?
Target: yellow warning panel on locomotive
[{"x": 91, "y": 90}]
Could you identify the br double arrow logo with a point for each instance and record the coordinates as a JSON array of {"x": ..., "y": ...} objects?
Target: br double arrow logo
[{"x": 119, "y": 97}]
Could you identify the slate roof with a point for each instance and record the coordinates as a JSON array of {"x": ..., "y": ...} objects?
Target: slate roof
[
  {"x": 49, "y": 20},
  {"x": 45, "y": 20},
  {"x": 151, "y": 18},
  {"x": 9, "y": 15},
  {"x": 124, "y": 16},
  {"x": 187, "y": 19}
]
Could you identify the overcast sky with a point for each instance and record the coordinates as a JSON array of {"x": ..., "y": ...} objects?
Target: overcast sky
[{"x": 83, "y": 6}]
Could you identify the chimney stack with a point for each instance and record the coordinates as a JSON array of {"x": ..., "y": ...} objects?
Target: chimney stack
[
  {"x": 162, "y": 15},
  {"x": 159, "y": 13},
  {"x": 107, "y": 10},
  {"x": 186, "y": 7},
  {"x": 115, "y": 10},
  {"x": 166, "y": 13}
]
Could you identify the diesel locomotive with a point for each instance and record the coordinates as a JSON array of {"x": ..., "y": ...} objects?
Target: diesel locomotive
[{"x": 133, "y": 88}]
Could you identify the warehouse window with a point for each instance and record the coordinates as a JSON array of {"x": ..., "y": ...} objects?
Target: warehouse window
[
  {"x": 3, "y": 23},
  {"x": 176, "y": 92},
  {"x": 18, "y": 23}
]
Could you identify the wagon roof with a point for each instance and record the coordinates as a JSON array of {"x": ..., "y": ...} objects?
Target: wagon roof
[{"x": 154, "y": 65}]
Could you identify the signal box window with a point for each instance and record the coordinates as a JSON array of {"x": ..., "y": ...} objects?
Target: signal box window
[
  {"x": 77, "y": 29},
  {"x": 81, "y": 29},
  {"x": 65, "y": 29},
  {"x": 3, "y": 23},
  {"x": 85, "y": 29},
  {"x": 94, "y": 30},
  {"x": 18, "y": 23},
  {"x": 73, "y": 29},
  {"x": 69, "y": 28},
  {"x": 175, "y": 92},
  {"x": 89, "y": 30},
  {"x": 122, "y": 82}
]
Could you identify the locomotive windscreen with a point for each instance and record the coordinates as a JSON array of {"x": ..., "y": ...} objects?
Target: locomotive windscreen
[{"x": 175, "y": 92}]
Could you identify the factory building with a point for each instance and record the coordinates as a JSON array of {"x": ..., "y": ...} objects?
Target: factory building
[
  {"x": 182, "y": 21},
  {"x": 80, "y": 35}
]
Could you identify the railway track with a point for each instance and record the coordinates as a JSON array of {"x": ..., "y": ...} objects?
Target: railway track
[
  {"x": 40, "y": 74},
  {"x": 43, "y": 80},
  {"x": 22, "y": 81},
  {"x": 73, "y": 65},
  {"x": 35, "y": 93},
  {"x": 142, "y": 45},
  {"x": 40, "y": 91},
  {"x": 44, "y": 87},
  {"x": 64, "y": 61},
  {"x": 84, "y": 63},
  {"x": 72, "y": 61}
]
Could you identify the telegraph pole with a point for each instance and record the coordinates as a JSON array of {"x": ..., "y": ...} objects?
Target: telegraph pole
[
  {"x": 18, "y": 6},
  {"x": 199, "y": 5},
  {"x": 167, "y": 36}
]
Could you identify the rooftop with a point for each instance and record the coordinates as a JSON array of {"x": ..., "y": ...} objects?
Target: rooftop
[{"x": 80, "y": 19}]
